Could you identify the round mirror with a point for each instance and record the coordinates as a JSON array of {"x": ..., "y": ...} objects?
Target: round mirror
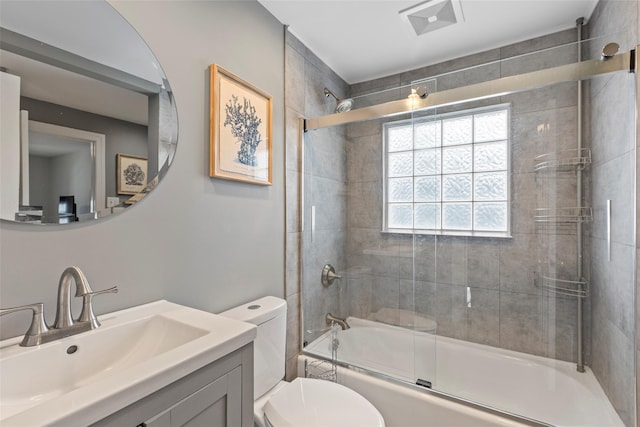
[{"x": 88, "y": 123}]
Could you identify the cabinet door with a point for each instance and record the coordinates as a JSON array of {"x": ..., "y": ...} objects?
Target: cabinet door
[{"x": 218, "y": 404}]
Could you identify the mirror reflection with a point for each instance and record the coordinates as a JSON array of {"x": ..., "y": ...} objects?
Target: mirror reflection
[{"x": 80, "y": 89}]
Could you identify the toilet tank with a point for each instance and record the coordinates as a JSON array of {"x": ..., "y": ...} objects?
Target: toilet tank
[{"x": 269, "y": 314}]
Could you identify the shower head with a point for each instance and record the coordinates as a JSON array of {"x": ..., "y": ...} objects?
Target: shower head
[{"x": 344, "y": 105}]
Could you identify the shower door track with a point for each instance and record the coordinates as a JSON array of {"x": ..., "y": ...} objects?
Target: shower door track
[{"x": 489, "y": 89}]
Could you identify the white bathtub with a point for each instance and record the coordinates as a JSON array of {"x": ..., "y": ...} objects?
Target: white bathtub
[{"x": 533, "y": 387}]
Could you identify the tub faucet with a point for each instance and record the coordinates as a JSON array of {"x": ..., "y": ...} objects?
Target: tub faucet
[{"x": 330, "y": 318}]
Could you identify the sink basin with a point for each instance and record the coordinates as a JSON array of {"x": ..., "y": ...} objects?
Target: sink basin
[{"x": 81, "y": 379}]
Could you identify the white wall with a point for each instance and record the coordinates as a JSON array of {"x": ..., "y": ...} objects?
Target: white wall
[{"x": 194, "y": 240}]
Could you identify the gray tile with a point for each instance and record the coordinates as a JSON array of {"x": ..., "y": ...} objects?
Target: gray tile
[
  {"x": 364, "y": 159},
  {"x": 456, "y": 65},
  {"x": 358, "y": 283},
  {"x": 613, "y": 365},
  {"x": 291, "y": 369},
  {"x": 293, "y": 197},
  {"x": 292, "y": 267},
  {"x": 330, "y": 200},
  {"x": 541, "y": 132},
  {"x": 452, "y": 260},
  {"x": 538, "y": 60},
  {"x": 555, "y": 96},
  {"x": 521, "y": 323},
  {"x": 483, "y": 263},
  {"x": 614, "y": 180},
  {"x": 425, "y": 299},
  {"x": 367, "y": 128},
  {"x": 425, "y": 267},
  {"x": 385, "y": 293},
  {"x": 518, "y": 264},
  {"x": 523, "y": 202},
  {"x": 612, "y": 131},
  {"x": 294, "y": 43},
  {"x": 325, "y": 154},
  {"x": 468, "y": 76},
  {"x": 557, "y": 255},
  {"x": 293, "y": 140},
  {"x": 621, "y": 369},
  {"x": 538, "y": 43},
  {"x": 450, "y": 311},
  {"x": 293, "y": 326},
  {"x": 560, "y": 317},
  {"x": 364, "y": 204},
  {"x": 294, "y": 77},
  {"x": 482, "y": 316},
  {"x": 376, "y": 85},
  {"x": 613, "y": 285}
]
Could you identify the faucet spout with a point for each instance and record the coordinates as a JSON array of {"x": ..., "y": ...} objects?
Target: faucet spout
[
  {"x": 330, "y": 318},
  {"x": 64, "y": 318}
]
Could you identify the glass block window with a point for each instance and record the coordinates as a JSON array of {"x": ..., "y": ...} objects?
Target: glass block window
[{"x": 448, "y": 174}]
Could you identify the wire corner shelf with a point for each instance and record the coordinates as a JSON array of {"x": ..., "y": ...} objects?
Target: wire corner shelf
[
  {"x": 571, "y": 288},
  {"x": 564, "y": 215},
  {"x": 563, "y": 160}
]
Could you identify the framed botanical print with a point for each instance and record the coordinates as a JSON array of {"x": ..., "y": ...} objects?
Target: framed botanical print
[
  {"x": 240, "y": 129},
  {"x": 132, "y": 174}
]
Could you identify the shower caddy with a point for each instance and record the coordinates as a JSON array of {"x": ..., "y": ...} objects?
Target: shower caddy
[{"x": 565, "y": 161}]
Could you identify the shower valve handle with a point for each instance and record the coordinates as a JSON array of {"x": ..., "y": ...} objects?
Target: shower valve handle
[{"x": 329, "y": 275}]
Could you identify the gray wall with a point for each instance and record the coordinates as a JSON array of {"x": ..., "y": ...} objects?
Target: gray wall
[
  {"x": 612, "y": 103},
  {"x": 206, "y": 243}
]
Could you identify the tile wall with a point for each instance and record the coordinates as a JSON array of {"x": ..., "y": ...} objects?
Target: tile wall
[
  {"x": 436, "y": 276},
  {"x": 477, "y": 289},
  {"x": 612, "y": 134},
  {"x": 324, "y": 181}
]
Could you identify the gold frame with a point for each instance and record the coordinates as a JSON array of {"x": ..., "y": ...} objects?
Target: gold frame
[
  {"x": 225, "y": 90},
  {"x": 122, "y": 161}
]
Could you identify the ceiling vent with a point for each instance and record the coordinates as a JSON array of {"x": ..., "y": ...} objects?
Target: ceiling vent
[{"x": 432, "y": 15}]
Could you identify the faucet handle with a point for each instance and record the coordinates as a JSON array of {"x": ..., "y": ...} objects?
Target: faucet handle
[
  {"x": 87, "y": 315},
  {"x": 38, "y": 325}
]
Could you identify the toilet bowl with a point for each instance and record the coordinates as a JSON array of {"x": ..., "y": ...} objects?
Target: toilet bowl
[{"x": 304, "y": 402}]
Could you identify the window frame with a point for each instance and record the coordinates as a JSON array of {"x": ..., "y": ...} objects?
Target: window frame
[{"x": 439, "y": 118}]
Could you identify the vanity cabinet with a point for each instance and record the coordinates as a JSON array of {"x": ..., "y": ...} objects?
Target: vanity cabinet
[{"x": 217, "y": 395}]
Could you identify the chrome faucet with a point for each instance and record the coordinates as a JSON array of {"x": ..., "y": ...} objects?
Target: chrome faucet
[
  {"x": 64, "y": 318},
  {"x": 64, "y": 325},
  {"x": 330, "y": 319}
]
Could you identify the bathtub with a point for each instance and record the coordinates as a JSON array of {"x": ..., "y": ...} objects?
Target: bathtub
[{"x": 529, "y": 386}]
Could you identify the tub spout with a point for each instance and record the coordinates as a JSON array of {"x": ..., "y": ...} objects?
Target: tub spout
[{"x": 330, "y": 318}]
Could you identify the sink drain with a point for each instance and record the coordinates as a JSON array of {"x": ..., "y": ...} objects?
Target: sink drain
[{"x": 72, "y": 349}]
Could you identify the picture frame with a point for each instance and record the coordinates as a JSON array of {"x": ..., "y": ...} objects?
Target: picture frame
[
  {"x": 240, "y": 137},
  {"x": 132, "y": 173}
]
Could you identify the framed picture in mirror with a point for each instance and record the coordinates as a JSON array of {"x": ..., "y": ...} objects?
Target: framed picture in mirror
[
  {"x": 131, "y": 174},
  {"x": 240, "y": 129}
]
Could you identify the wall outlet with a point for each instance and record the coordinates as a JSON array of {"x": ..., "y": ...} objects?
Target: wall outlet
[{"x": 113, "y": 201}]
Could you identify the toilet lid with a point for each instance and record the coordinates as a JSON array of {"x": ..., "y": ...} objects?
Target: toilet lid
[{"x": 307, "y": 402}]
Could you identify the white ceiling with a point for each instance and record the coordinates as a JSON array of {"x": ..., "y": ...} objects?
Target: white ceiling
[
  {"x": 51, "y": 84},
  {"x": 366, "y": 39},
  {"x": 107, "y": 39}
]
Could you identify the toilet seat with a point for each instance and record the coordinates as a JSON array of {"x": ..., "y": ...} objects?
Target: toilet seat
[{"x": 307, "y": 402}]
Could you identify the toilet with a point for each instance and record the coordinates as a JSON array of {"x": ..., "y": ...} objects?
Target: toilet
[{"x": 304, "y": 402}]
